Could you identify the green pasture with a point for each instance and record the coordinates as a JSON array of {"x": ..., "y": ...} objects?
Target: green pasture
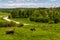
[{"x": 44, "y": 31}]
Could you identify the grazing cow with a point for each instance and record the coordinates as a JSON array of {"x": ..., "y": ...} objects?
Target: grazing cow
[
  {"x": 11, "y": 31},
  {"x": 33, "y": 29}
]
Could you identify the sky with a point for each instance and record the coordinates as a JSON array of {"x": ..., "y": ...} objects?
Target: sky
[{"x": 29, "y": 3}]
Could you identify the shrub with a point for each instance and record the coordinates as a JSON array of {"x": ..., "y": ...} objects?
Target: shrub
[
  {"x": 11, "y": 24},
  {"x": 7, "y": 24},
  {"x": 56, "y": 20},
  {"x": 51, "y": 22},
  {"x": 20, "y": 25}
]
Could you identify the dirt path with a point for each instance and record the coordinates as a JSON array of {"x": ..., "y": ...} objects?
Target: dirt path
[{"x": 6, "y": 18}]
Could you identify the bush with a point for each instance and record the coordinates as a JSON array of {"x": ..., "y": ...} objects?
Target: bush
[
  {"x": 11, "y": 24},
  {"x": 7, "y": 24},
  {"x": 56, "y": 20},
  {"x": 20, "y": 25},
  {"x": 51, "y": 22},
  {"x": 2, "y": 24},
  {"x": 31, "y": 19}
]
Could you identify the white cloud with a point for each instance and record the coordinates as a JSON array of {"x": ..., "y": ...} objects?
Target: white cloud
[
  {"x": 11, "y": 1},
  {"x": 19, "y": 0},
  {"x": 52, "y": 0},
  {"x": 20, "y": 5},
  {"x": 28, "y": 0},
  {"x": 27, "y": 5}
]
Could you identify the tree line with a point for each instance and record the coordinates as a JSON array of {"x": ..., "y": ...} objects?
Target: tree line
[{"x": 44, "y": 15}]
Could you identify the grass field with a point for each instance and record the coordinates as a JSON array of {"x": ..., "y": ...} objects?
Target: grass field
[
  {"x": 44, "y": 31},
  {"x": 24, "y": 33},
  {"x": 3, "y": 14}
]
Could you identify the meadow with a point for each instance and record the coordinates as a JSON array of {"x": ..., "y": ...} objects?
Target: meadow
[
  {"x": 43, "y": 31},
  {"x": 3, "y": 14}
]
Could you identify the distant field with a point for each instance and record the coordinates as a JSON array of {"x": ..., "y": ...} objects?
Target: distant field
[
  {"x": 3, "y": 14},
  {"x": 23, "y": 20}
]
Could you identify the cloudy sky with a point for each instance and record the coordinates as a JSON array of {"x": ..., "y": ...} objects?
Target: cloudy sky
[{"x": 29, "y": 3}]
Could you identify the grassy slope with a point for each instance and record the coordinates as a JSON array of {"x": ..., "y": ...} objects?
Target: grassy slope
[
  {"x": 43, "y": 31},
  {"x": 3, "y": 14}
]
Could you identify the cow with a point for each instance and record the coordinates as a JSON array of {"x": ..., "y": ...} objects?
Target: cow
[
  {"x": 10, "y": 31},
  {"x": 33, "y": 29}
]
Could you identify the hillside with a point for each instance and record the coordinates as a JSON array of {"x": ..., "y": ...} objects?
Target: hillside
[{"x": 30, "y": 24}]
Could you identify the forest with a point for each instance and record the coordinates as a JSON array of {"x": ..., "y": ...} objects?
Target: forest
[{"x": 44, "y": 15}]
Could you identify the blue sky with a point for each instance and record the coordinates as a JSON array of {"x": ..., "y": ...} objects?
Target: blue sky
[{"x": 29, "y": 3}]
